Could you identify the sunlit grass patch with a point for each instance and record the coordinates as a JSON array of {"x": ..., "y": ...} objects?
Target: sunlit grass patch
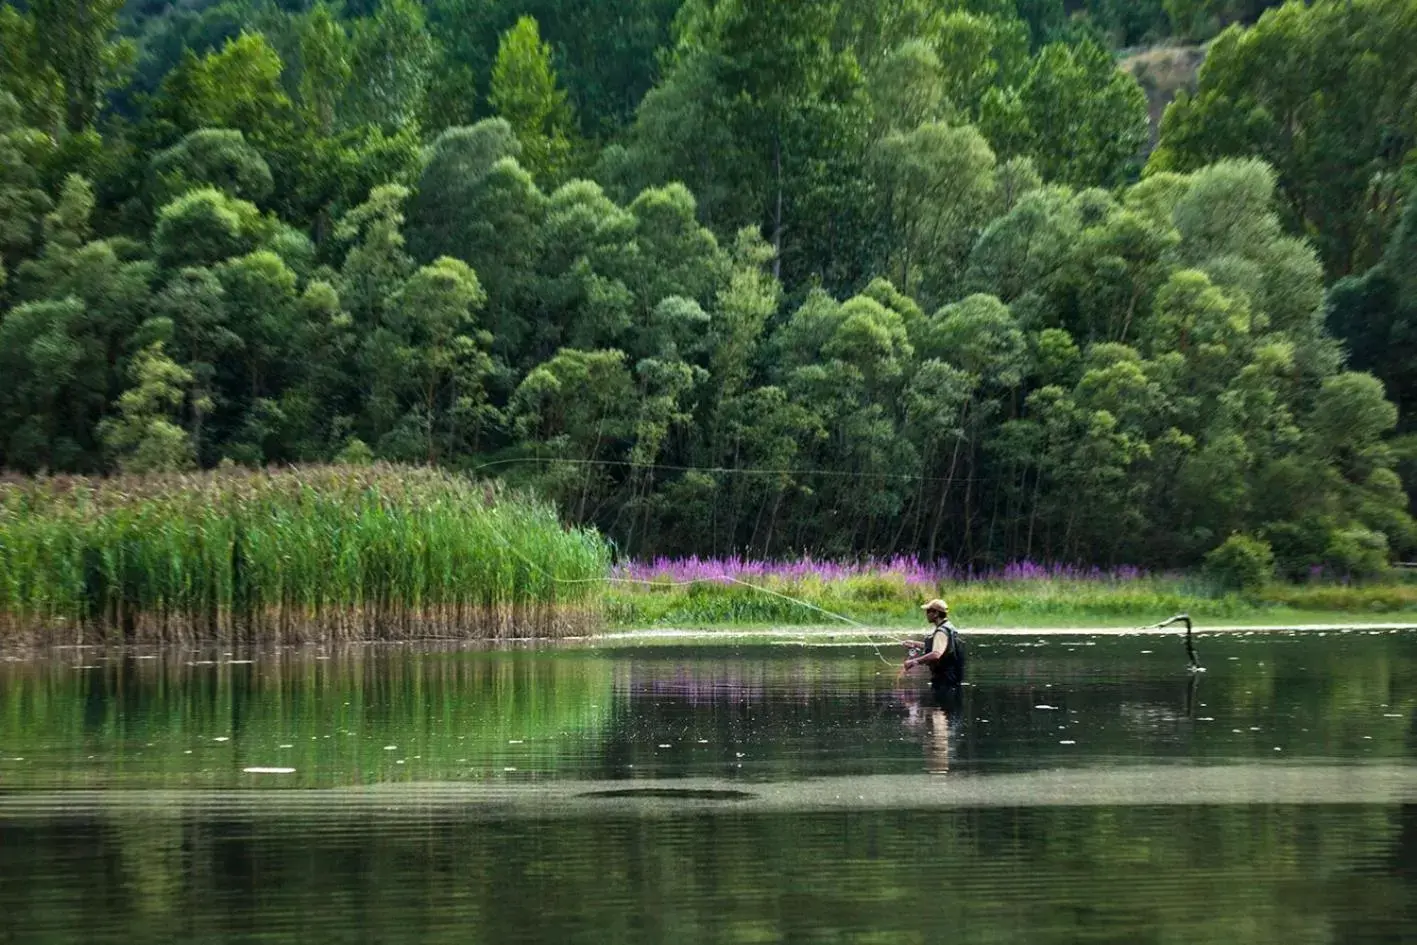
[{"x": 707, "y": 592}]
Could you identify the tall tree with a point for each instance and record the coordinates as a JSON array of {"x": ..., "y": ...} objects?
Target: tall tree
[
  {"x": 1323, "y": 93},
  {"x": 525, "y": 93},
  {"x": 66, "y": 346},
  {"x": 210, "y": 157},
  {"x": 23, "y": 201},
  {"x": 767, "y": 122},
  {"x": 25, "y": 73},
  {"x": 325, "y": 65},
  {"x": 75, "y": 39},
  {"x": 937, "y": 189},
  {"x": 238, "y": 87},
  {"x": 446, "y": 365},
  {"x": 1085, "y": 119},
  {"x": 143, "y": 437},
  {"x": 392, "y": 57},
  {"x": 1376, "y": 316}
]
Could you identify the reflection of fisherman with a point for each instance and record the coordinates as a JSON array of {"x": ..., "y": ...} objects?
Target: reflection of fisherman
[
  {"x": 942, "y": 650},
  {"x": 937, "y": 725}
]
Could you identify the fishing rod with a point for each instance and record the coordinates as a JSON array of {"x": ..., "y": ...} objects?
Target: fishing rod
[{"x": 1195, "y": 663}]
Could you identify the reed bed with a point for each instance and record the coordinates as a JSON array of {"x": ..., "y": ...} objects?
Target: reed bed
[{"x": 315, "y": 553}]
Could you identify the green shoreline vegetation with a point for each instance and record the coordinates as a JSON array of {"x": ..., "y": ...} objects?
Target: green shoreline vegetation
[
  {"x": 363, "y": 553},
  {"x": 1044, "y": 603},
  {"x": 983, "y": 282},
  {"x": 329, "y": 553}
]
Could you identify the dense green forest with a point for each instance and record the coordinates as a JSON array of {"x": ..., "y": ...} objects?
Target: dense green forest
[{"x": 736, "y": 275}]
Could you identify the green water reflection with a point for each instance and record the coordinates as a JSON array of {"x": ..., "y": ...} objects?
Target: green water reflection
[
  {"x": 1228, "y": 874},
  {"x": 759, "y": 727},
  {"x": 353, "y": 717},
  {"x": 767, "y": 712}
]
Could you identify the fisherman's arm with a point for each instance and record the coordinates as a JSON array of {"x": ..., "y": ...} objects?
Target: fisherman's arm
[{"x": 937, "y": 651}]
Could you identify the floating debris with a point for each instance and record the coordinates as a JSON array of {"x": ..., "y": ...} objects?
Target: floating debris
[
  {"x": 269, "y": 770},
  {"x": 1067, "y": 741}
]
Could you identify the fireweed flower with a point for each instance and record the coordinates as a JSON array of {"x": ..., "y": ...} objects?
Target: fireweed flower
[{"x": 905, "y": 568}]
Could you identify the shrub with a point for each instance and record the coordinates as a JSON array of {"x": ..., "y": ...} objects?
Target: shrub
[
  {"x": 1357, "y": 552},
  {"x": 1242, "y": 563},
  {"x": 355, "y": 453}
]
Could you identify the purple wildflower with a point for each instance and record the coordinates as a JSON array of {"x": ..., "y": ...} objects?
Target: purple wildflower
[{"x": 909, "y": 569}]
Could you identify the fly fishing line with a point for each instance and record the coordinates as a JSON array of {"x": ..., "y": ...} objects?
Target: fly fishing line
[{"x": 665, "y": 584}]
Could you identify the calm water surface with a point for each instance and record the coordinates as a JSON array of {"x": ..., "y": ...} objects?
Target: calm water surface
[{"x": 1083, "y": 789}]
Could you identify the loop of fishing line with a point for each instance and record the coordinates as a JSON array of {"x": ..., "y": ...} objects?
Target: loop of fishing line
[
  {"x": 734, "y": 470},
  {"x": 754, "y": 471},
  {"x": 726, "y": 470},
  {"x": 732, "y": 580}
]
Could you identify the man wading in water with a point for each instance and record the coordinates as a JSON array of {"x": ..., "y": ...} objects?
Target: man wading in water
[{"x": 942, "y": 650}]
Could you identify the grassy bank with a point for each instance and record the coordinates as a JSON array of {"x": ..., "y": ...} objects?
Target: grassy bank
[
  {"x": 325, "y": 553},
  {"x": 706, "y": 594},
  {"x": 389, "y": 553}
]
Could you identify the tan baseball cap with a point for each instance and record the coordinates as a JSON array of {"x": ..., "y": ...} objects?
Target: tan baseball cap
[{"x": 936, "y": 604}]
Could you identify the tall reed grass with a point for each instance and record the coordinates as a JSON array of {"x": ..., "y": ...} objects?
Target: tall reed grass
[{"x": 314, "y": 553}]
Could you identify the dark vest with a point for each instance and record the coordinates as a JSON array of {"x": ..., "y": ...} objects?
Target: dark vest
[{"x": 948, "y": 670}]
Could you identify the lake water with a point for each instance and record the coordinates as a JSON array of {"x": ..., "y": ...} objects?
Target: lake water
[{"x": 1083, "y": 789}]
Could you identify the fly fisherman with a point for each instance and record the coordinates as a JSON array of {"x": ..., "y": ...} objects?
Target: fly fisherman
[{"x": 942, "y": 650}]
